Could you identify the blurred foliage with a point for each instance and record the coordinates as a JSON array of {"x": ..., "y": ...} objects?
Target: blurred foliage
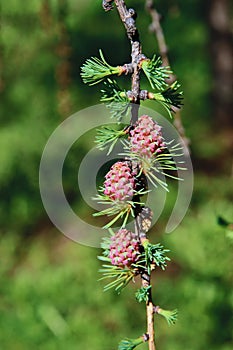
[{"x": 50, "y": 297}]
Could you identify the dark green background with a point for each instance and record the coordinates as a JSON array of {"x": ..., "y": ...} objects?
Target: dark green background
[{"x": 49, "y": 294}]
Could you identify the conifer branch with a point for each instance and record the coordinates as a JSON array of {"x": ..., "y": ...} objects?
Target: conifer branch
[
  {"x": 128, "y": 18},
  {"x": 130, "y": 254}
]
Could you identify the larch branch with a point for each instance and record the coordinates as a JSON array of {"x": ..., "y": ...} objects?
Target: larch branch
[{"x": 128, "y": 17}]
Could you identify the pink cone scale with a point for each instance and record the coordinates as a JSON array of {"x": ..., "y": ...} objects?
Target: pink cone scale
[
  {"x": 124, "y": 248},
  {"x": 146, "y": 138},
  {"x": 120, "y": 183}
]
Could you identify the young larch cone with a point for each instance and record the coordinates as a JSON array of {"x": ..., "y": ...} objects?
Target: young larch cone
[
  {"x": 120, "y": 182},
  {"x": 124, "y": 248},
  {"x": 146, "y": 138}
]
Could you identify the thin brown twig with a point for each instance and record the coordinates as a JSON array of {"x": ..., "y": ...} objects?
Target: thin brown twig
[
  {"x": 149, "y": 312},
  {"x": 157, "y": 29},
  {"x": 128, "y": 18}
]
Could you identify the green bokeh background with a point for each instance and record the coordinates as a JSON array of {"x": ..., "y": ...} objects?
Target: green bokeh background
[{"x": 49, "y": 294}]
